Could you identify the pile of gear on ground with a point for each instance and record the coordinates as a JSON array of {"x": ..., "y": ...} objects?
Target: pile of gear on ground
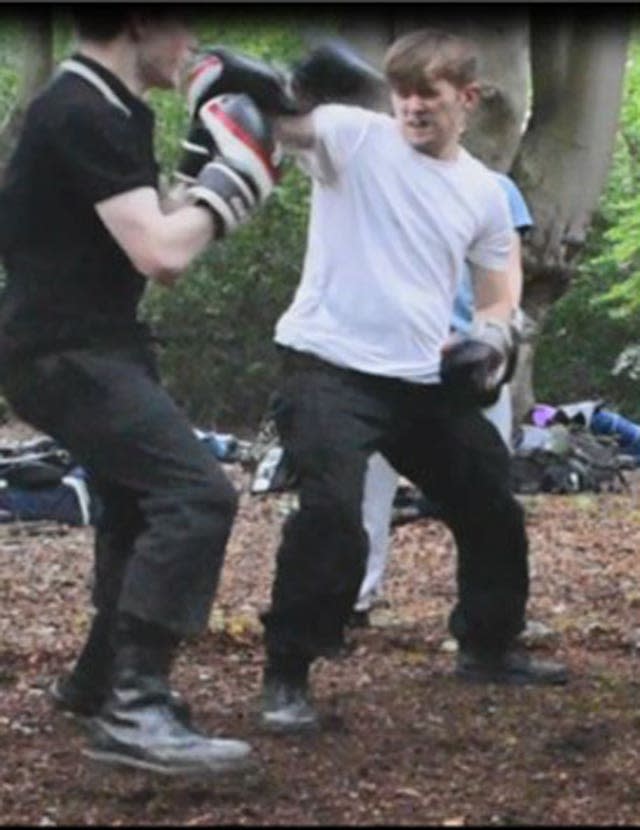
[{"x": 571, "y": 448}]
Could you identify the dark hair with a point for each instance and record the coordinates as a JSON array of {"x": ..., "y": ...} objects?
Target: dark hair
[
  {"x": 103, "y": 22},
  {"x": 430, "y": 54}
]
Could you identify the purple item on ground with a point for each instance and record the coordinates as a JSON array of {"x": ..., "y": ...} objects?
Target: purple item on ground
[{"x": 542, "y": 414}]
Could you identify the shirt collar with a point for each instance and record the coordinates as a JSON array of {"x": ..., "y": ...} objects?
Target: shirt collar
[{"x": 113, "y": 89}]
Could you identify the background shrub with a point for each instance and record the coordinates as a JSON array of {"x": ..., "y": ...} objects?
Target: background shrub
[{"x": 217, "y": 324}]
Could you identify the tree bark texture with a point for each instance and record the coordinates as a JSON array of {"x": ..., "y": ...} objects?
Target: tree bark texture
[
  {"x": 35, "y": 66},
  {"x": 578, "y": 63}
]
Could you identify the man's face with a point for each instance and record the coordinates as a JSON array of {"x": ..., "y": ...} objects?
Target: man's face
[
  {"x": 165, "y": 47},
  {"x": 432, "y": 117}
]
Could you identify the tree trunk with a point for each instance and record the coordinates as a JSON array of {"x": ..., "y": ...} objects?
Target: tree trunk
[
  {"x": 521, "y": 385},
  {"x": 577, "y": 70},
  {"x": 496, "y": 127},
  {"x": 578, "y": 64},
  {"x": 35, "y": 65}
]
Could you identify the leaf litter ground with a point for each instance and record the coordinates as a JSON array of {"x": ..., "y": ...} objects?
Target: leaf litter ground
[{"x": 405, "y": 743}]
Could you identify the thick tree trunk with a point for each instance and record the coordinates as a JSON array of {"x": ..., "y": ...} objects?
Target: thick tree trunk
[
  {"x": 35, "y": 65},
  {"x": 578, "y": 63},
  {"x": 564, "y": 157},
  {"x": 521, "y": 386}
]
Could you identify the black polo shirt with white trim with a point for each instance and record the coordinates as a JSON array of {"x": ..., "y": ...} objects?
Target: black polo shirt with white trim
[{"x": 86, "y": 137}]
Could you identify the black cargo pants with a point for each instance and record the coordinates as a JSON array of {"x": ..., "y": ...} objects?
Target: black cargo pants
[
  {"x": 330, "y": 421},
  {"x": 167, "y": 505}
]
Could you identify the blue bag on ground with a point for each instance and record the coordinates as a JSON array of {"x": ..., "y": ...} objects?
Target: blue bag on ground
[
  {"x": 40, "y": 481},
  {"x": 67, "y": 501},
  {"x": 605, "y": 422}
]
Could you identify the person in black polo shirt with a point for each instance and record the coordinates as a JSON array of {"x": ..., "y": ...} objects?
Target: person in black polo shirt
[{"x": 81, "y": 230}]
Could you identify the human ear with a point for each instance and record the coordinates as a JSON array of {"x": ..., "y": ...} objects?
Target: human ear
[{"x": 470, "y": 95}]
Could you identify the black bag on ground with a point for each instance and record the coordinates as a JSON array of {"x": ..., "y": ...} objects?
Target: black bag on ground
[{"x": 571, "y": 460}]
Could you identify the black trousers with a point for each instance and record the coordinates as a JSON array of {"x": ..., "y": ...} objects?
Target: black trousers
[
  {"x": 330, "y": 421},
  {"x": 168, "y": 506}
]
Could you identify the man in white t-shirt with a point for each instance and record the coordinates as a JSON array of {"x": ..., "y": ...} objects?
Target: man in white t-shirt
[
  {"x": 382, "y": 480},
  {"x": 397, "y": 207}
]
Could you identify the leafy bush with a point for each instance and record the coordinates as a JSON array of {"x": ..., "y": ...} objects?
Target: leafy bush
[{"x": 217, "y": 323}]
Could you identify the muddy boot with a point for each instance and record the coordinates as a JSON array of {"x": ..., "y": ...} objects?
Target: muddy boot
[
  {"x": 138, "y": 727},
  {"x": 286, "y": 705}
]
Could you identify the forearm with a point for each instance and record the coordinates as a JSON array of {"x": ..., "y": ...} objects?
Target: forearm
[
  {"x": 174, "y": 198},
  {"x": 160, "y": 245},
  {"x": 177, "y": 239},
  {"x": 498, "y": 310},
  {"x": 294, "y": 132},
  {"x": 514, "y": 269},
  {"x": 494, "y": 293}
]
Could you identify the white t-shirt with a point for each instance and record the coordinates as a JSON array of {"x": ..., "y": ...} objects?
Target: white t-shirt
[{"x": 389, "y": 231}]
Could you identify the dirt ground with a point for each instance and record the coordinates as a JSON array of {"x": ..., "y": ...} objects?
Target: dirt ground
[{"x": 406, "y": 743}]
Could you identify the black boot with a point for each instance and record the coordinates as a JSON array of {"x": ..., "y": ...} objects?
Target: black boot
[
  {"x": 68, "y": 694},
  {"x": 83, "y": 691},
  {"x": 138, "y": 727},
  {"x": 511, "y": 667},
  {"x": 359, "y": 619},
  {"x": 286, "y": 706}
]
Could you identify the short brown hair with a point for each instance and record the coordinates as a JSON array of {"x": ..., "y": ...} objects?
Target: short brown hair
[
  {"x": 102, "y": 22},
  {"x": 430, "y": 54}
]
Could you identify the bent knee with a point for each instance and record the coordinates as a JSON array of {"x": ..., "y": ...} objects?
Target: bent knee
[{"x": 211, "y": 501}]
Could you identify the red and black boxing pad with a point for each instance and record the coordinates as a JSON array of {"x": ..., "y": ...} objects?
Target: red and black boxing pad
[
  {"x": 243, "y": 173},
  {"x": 197, "y": 149}
]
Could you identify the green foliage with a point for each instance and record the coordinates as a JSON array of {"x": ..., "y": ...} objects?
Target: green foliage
[
  {"x": 9, "y": 63},
  {"x": 590, "y": 326},
  {"x": 217, "y": 323}
]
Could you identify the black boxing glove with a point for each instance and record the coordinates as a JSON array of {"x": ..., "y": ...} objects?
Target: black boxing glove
[
  {"x": 334, "y": 73},
  {"x": 219, "y": 70},
  {"x": 476, "y": 365},
  {"x": 246, "y": 167}
]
